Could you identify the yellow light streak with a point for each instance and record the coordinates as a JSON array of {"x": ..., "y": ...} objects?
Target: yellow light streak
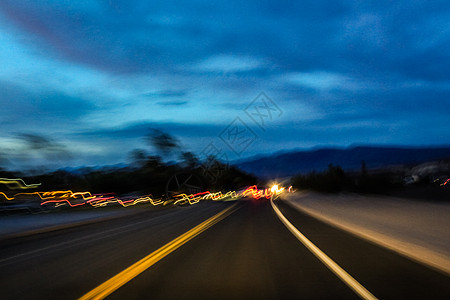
[
  {"x": 74, "y": 199},
  {"x": 17, "y": 183}
]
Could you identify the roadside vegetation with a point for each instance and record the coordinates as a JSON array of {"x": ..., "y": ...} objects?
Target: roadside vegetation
[
  {"x": 166, "y": 168},
  {"x": 387, "y": 181}
]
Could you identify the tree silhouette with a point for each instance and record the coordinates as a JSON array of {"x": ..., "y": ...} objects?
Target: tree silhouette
[{"x": 163, "y": 142}]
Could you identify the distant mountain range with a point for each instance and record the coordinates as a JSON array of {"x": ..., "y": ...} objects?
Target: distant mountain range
[{"x": 297, "y": 162}]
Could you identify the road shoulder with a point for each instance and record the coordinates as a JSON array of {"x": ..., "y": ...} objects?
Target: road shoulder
[
  {"x": 15, "y": 226},
  {"x": 417, "y": 230}
]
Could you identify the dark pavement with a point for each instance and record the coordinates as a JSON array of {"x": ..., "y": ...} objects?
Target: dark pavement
[{"x": 248, "y": 255}]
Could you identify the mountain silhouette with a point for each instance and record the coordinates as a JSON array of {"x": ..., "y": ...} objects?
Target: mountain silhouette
[{"x": 298, "y": 162}]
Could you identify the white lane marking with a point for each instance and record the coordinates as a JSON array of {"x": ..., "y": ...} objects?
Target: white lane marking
[
  {"x": 422, "y": 254},
  {"x": 334, "y": 267}
]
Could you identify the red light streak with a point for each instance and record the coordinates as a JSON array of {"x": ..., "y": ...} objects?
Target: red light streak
[
  {"x": 76, "y": 199},
  {"x": 267, "y": 193}
]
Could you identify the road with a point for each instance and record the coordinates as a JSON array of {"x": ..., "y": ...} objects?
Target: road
[{"x": 248, "y": 253}]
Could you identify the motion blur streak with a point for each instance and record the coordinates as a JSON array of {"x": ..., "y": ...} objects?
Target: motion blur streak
[
  {"x": 445, "y": 183},
  {"x": 4, "y": 195},
  {"x": 334, "y": 267},
  {"x": 75, "y": 199},
  {"x": 195, "y": 198},
  {"x": 114, "y": 283},
  {"x": 267, "y": 193},
  {"x": 18, "y": 183}
]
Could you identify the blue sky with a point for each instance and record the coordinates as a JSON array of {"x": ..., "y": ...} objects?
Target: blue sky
[{"x": 91, "y": 78}]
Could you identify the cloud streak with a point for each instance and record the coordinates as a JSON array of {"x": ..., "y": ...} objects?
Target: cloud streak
[{"x": 97, "y": 73}]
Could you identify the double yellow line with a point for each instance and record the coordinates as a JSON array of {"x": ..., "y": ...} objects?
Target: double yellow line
[{"x": 114, "y": 283}]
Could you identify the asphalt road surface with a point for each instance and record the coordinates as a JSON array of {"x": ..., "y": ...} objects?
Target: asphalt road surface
[{"x": 245, "y": 252}]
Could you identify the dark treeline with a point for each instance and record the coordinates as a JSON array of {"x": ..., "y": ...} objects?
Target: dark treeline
[
  {"x": 335, "y": 180},
  {"x": 151, "y": 176},
  {"x": 146, "y": 174}
]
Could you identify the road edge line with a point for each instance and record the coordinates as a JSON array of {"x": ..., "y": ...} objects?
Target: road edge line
[
  {"x": 351, "y": 282},
  {"x": 120, "y": 279},
  {"x": 433, "y": 259}
]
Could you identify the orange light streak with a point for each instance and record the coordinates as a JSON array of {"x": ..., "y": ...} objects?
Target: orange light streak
[
  {"x": 7, "y": 198},
  {"x": 76, "y": 199}
]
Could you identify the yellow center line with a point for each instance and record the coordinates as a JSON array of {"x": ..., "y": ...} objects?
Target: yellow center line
[
  {"x": 115, "y": 282},
  {"x": 351, "y": 282}
]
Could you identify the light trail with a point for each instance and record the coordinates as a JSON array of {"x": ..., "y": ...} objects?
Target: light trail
[
  {"x": 77, "y": 199},
  {"x": 17, "y": 183},
  {"x": 6, "y": 197},
  {"x": 267, "y": 193}
]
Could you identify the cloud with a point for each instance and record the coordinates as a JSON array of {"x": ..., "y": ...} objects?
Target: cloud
[
  {"x": 159, "y": 37},
  {"x": 43, "y": 111},
  {"x": 172, "y": 103},
  {"x": 321, "y": 80},
  {"x": 44, "y": 145},
  {"x": 167, "y": 93},
  {"x": 141, "y": 129},
  {"x": 29, "y": 150},
  {"x": 97, "y": 73},
  {"x": 228, "y": 64}
]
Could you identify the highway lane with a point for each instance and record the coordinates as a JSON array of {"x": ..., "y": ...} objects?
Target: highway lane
[
  {"x": 385, "y": 273},
  {"x": 65, "y": 264},
  {"x": 248, "y": 255},
  {"x": 251, "y": 255}
]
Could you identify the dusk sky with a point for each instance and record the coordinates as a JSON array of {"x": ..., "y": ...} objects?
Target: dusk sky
[{"x": 83, "y": 82}]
